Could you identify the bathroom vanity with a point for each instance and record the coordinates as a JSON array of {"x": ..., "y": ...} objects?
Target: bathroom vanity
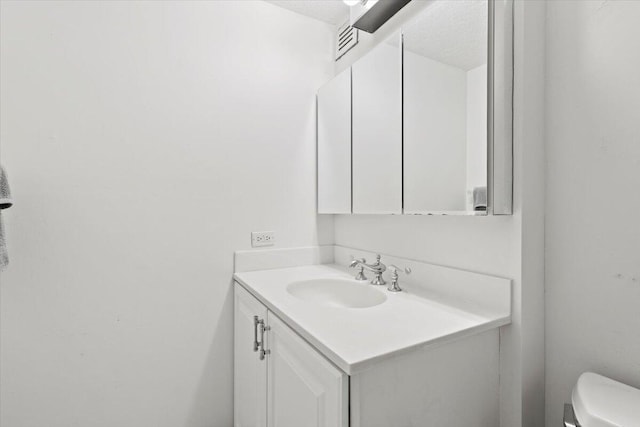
[
  {"x": 315, "y": 347},
  {"x": 422, "y": 125}
]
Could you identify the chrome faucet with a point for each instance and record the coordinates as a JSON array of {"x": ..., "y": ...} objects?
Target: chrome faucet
[
  {"x": 394, "y": 287},
  {"x": 358, "y": 262},
  {"x": 376, "y": 268}
]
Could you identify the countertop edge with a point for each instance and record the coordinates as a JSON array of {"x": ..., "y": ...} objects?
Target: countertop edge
[{"x": 354, "y": 368}]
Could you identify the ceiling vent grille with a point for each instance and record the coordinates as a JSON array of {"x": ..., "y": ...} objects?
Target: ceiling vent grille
[{"x": 346, "y": 38}]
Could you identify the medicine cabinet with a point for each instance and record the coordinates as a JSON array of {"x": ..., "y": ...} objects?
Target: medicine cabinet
[{"x": 422, "y": 124}]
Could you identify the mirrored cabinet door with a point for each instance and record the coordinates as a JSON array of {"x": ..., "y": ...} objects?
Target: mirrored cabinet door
[
  {"x": 422, "y": 123},
  {"x": 377, "y": 130},
  {"x": 334, "y": 145},
  {"x": 445, "y": 108}
]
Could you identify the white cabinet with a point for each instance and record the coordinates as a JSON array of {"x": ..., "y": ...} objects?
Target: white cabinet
[
  {"x": 377, "y": 130},
  {"x": 334, "y": 145},
  {"x": 423, "y": 126},
  {"x": 250, "y": 375},
  {"x": 293, "y": 386},
  {"x": 304, "y": 389},
  {"x": 360, "y": 135}
]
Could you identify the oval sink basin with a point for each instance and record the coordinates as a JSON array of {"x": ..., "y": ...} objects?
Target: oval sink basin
[{"x": 337, "y": 293}]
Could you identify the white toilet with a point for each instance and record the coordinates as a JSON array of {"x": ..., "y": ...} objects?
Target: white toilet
[{"x": 602, "y": 402}]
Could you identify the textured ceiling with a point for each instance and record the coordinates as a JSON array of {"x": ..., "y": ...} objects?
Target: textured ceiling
[
  {"x": 450, "y": 31},
  {"x": 331, "y": 11}
]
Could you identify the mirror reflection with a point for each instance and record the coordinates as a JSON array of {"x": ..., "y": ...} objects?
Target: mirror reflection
[
  {"x": 377, "y": 130},
  {"x": 445, "y": 108}
]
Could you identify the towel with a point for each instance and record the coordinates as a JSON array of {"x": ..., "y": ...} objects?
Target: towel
[
  {"x": 4, "y": 256},
  {"x": 480, "y": 198},
  {"x": 5, "y": 202}
]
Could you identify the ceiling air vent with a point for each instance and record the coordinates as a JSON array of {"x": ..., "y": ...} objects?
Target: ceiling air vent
[{"x": 346, "y": 39}]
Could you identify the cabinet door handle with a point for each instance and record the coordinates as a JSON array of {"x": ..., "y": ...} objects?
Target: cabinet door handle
[
  {"x": 255, "y": 333},
  {"x": 263, "y": 329}
]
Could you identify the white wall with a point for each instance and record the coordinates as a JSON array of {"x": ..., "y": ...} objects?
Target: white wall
[
  {"x": 435, "y": 127},
  {"x": 128, "y": 129},
  {"x": 510, "y": 246},
  {"x": 529, "y": 158},
  {"x": 593, "y": 195}
]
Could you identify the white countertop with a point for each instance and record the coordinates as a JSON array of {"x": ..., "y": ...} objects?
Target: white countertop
[{"x": 356, "y": 338}]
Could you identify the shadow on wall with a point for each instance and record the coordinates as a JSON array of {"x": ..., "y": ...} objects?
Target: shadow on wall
[{"x": 215, "y": 372}]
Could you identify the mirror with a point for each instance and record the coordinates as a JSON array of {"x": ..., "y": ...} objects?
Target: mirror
[
  {"x": 377, "y": 129},
  {"x": 423, "y": 123},
  {"x": 334, "y": 145},
  {"x": 445, "y": 60}
]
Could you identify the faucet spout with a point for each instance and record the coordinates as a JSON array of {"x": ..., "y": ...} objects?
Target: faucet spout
[{"x": 377, "y": 268}]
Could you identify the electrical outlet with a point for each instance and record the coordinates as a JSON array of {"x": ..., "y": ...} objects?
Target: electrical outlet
[{"x": 263, "y": 238}]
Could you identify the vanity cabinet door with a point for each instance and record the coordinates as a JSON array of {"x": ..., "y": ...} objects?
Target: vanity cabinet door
[
  {"x": 250, "y": 373},
  {"x": 334, "y": 145},
  {"x": 304, "y": 389}
]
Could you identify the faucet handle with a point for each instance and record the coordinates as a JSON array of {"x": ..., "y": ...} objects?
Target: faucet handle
[
  {"x": 395, "y": 270},
  {"x": 356, "y": 261},
  {"x": 394, "y": 287}
]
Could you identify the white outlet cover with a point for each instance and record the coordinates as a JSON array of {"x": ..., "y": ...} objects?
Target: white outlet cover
[{"x": 263, "y": 238}]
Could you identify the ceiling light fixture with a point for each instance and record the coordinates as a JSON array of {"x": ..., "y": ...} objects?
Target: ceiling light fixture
[
  {"x": 374, "y": 13},
  {"x": 351, "y": 2}
]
